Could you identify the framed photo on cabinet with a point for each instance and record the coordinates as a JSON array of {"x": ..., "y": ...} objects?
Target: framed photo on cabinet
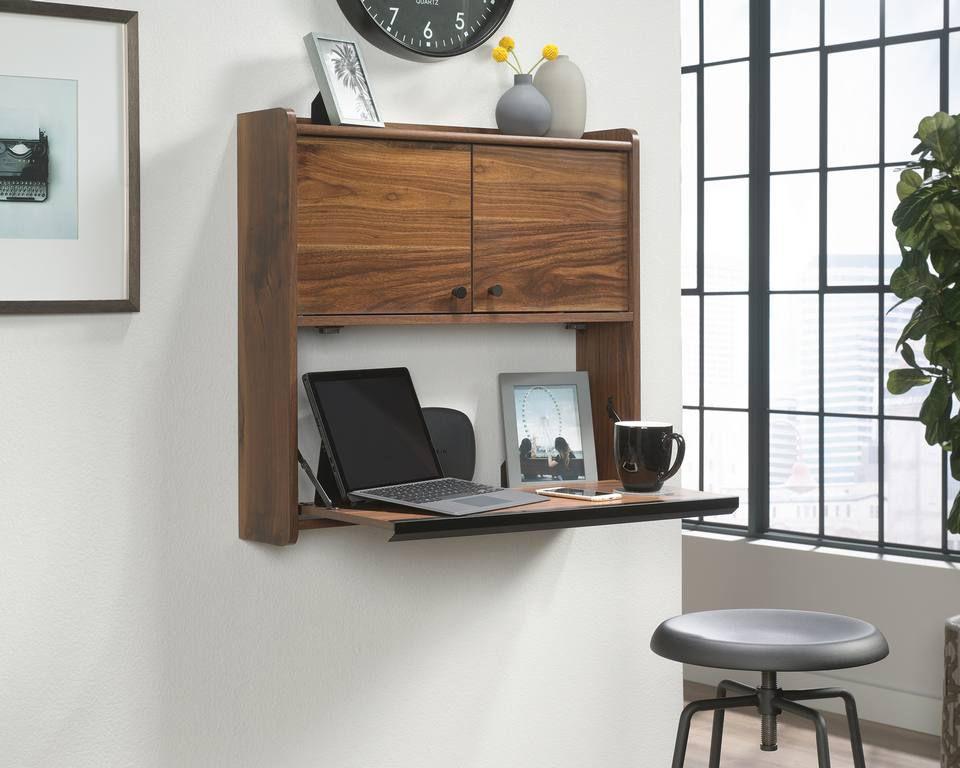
[{"x": 69, "y": 159}]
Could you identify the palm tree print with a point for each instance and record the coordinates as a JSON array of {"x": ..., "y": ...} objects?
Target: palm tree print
[{"x": 348, "y": 70}]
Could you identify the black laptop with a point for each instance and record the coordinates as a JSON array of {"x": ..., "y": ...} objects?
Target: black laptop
[{"x": 379, "y": 447}]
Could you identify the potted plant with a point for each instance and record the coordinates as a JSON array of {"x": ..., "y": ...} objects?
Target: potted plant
[{"x": 928, "y": 231}]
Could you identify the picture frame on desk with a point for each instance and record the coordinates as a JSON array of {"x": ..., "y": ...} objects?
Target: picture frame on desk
[
  {"x": 70, "y": 166},
  {"x": 345, "y": 95},
  {"x": 547, "y": 428}
]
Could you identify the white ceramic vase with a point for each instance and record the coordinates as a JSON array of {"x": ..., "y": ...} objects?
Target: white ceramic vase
[{"x": 561, "y": 81}]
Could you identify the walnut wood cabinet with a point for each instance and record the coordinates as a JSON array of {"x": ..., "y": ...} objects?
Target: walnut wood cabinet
[{"x": 343, "y": 227}]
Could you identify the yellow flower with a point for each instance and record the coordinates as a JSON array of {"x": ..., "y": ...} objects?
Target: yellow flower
[
  {"x": 507, "y": 42},
  {"x": 500, "y": 54},
  {"x": 550, "y": 52}
]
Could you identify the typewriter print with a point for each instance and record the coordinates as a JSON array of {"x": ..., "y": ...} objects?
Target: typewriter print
[{"x": 38, "y": 158}]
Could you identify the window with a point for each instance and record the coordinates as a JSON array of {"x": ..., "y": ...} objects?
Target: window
[{"x": 796, "y": 117}]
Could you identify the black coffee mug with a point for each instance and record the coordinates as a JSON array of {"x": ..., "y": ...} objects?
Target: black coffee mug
[{"x": 642, "y": 451}]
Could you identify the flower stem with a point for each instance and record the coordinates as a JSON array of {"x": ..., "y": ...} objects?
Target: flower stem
[
  {"x": 516, "y": 58},
  {"x": 542, "y": 59}
]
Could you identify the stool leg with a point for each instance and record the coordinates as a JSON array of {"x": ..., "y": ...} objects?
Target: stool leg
[
  {"x": 853, "y": 720},
  {"x": 823, "y": 747},
  {"x": 716, "y": 738},
  {"x": 705, "y": 705}
]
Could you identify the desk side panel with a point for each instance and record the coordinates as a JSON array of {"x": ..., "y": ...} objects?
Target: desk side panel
[{"x": 266, "y": 186}]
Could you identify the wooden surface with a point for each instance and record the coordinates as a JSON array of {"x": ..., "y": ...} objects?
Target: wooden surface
[
  {"x": 610, "y": 353},
  {"x": 267, "y": 330},
  {"x": 408, "y": 524},
  {"x": 612, "y": 141},
  {"x": 884, "y": 746},
  {"x": 383, "y": 226},
  {"x": 131, "y": 128},
  {"x": 489, "y": 318},
  {"x": 550, "y": 227}
]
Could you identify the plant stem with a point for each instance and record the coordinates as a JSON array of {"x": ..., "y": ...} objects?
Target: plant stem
[
  {"x": 542, "y": 59},
  {"x": 516, "y": 58}
]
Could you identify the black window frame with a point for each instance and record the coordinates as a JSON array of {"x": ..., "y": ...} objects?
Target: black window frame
[{"x": 759, "y": 293}]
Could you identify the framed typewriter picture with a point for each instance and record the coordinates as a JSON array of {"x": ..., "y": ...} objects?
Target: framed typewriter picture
[{"x": 69, "y": 159}]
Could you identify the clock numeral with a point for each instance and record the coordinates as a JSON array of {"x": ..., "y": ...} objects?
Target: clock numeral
[
  {"x": 427, "y": 32},
  {"x": 393, "y": 19},
  {"x": 460, "y": 21}
]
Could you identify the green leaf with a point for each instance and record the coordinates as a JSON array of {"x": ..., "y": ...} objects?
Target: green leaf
[
  {"x": 910, "y": 182},
  {"x": 946, "y": 220},
  {"x": 906, "y": 352},
  {"x": 935, "y": 413},
  {"x": 904, "y": 379},
  {"x": 955, "y": 465},
  {"x": 939, "y": 134},
  {"x": 910, "y": 282},
  {"x": 953, "y": 522}
]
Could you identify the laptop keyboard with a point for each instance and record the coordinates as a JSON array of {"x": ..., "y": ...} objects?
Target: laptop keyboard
[{"x": 432, "y": 490}]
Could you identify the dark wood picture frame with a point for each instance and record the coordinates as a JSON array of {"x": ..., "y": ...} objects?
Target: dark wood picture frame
[{"x": 129, "y": 20}]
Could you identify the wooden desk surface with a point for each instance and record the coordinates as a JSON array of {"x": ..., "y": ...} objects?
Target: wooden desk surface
[{"x": 549, "y": 514}]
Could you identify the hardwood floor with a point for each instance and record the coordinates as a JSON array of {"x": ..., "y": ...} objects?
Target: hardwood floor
[{"x": 884, "y": 746}]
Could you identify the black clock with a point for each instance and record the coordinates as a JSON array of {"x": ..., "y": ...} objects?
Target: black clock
[{"x": 426, "y": 30}]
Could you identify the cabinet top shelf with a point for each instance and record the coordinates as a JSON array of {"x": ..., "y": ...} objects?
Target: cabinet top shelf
[{"x": 615, "y": 140}]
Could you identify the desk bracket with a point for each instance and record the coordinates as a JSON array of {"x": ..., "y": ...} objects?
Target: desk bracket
[
  {"x": 576, "y": 326},
  {"x": 327, "y": 330}
]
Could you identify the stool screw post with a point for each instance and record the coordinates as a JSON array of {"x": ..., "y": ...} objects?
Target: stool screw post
[{"x": 768, "y": 717}]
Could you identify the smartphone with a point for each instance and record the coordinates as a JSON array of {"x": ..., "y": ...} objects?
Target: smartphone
[{"x": 582, "y": 494}]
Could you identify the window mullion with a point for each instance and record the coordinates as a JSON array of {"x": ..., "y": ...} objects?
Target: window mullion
[{"x": 759, "y": 341}]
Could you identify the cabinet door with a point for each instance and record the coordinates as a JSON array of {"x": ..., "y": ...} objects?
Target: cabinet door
[
  {"x": 550, "y": 228},
  {"x": 383, "y": 226}
]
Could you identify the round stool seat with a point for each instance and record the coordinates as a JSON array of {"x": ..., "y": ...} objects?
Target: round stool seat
[{"x": 769, "y": 640}]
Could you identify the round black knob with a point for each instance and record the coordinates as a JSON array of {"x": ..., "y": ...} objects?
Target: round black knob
[
  {"x": 460, "y": 292},
  {"x": 495, "y": 290}
]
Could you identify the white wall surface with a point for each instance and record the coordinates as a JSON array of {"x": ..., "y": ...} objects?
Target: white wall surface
[
  {"x": 907, "y": 599},
  {"x": 136, "y": 629}
]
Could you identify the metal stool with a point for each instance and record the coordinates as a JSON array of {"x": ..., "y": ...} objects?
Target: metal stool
[{"x": 769, "y": 641}]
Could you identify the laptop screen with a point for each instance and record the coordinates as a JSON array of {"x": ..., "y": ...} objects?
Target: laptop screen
[{"x": 373, "y": 427}]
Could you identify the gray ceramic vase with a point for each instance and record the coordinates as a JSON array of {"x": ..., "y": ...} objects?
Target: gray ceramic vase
[
  {"x": 561, "y": 81},
  {"x": 523, "y": 110}
]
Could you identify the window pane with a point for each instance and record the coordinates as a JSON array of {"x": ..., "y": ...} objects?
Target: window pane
[
  {"x": 726, "y": 119},
  {"x": 690, "y": 329},
  {"x": 854, "y": 107},
  {"x": 850, "y": 375},
  {"x": 794, "y": 353},
  {"x": 689, "y": 32},
  {"x": 725, "y": 351},
  {"x": 853, "y": 220},
  {"x": 912, "y": 91},
  {"x": 901, "y": 17},
  {"x": 795, "y": 473},
  {"x": 955, "y": 13},
  {"x": 912, "y": 483},
  {"x": 891, "y": 248},
  {"x": 795, "y": 112},
  {"x": 726, "y": 29},
  {"x": 955, "y": 66},
  {"x": 850, "y": 504},
  {"x": 725, "y": 459},
  {"x": 848, "y": 20},
  {"x": 907, "y": 404},
  {"x": 795, "y": 232},
  {"x": 726, "y": 235},
  {"x": 688, "y": 182},
  {"x": 690, "y": 470},
  {"x": 794, "y": 24}
]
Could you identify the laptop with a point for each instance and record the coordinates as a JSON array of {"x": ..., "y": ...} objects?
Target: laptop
[{"x": 379, "y": 447}]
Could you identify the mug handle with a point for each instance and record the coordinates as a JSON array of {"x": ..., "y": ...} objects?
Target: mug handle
[{"x": 681, "y": 450}]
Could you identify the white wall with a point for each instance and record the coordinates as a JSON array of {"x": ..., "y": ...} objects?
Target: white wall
[
  {"x": 907, "y": 599},
  {"x": 136, "y": 629}
]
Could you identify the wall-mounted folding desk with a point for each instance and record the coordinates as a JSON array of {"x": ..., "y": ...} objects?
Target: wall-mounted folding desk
[{"x": 418, "y": 225}]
